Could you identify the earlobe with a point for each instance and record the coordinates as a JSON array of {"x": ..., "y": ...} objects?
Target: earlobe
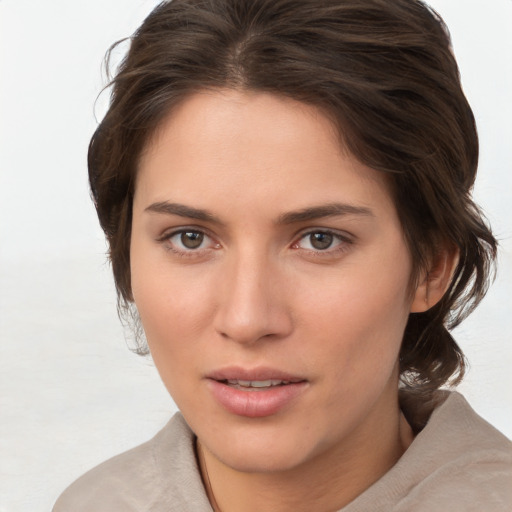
[{"x": 434, "y": 282}]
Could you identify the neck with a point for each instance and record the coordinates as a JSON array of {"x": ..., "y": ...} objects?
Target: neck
[{"x": 329, "y": 481}]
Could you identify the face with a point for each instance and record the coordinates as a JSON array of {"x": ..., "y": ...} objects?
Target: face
[{"x": 271, "y": 276}]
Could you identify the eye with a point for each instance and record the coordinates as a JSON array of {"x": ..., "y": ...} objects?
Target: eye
[
  {"x": 320, "y": 241},
  {"x": 188, "y": 241}
]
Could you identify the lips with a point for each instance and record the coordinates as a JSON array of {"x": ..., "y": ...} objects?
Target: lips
[
  {"x": 254, "y": 385},
  {"x": 255, "y": 393}
]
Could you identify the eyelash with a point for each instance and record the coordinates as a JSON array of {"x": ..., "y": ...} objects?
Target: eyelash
[
  {"x": 342, "y": 245},
  {"x": 185, "y": 253}
]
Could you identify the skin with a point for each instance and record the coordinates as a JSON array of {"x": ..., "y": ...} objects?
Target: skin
[{"x": 257, "y": 293}]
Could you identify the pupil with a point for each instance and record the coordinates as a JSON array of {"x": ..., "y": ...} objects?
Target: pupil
[
  {"x": 192, "y": 239},
  {"x": 321, "y": 240}
]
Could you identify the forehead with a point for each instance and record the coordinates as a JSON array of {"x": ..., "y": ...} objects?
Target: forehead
[
  {"x": 271, "y": 150},
  {"x": 217, "y": 115}
]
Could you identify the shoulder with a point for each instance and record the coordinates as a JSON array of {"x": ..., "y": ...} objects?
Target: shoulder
[
  {"x": 458, "y": 462},
  {"x": 119, "y": 478},
  {"x": 148, "y": 477},
  {"x": 462, "y": 462}
]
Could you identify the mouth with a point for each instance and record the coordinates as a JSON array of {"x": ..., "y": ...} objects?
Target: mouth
[
  {"x": 255, "y": 385},
  {"x": 255, "y": 393}
]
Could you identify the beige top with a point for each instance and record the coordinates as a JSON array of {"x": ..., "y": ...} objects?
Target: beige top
[{"x": 457, "y": 463}]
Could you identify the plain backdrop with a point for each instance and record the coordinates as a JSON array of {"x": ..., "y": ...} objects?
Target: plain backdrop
[{"x": 71, "y": 393}]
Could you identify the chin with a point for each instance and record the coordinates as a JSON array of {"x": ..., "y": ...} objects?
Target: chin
[
  {"x": 261, "y": 450},
  {"x": 253, "y": 460}
]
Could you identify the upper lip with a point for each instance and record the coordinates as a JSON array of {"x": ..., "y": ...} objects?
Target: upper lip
[{"x": 252, "y": 374}]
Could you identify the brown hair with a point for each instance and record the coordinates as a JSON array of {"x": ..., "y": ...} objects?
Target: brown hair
[{"x": 382, "y": 70}]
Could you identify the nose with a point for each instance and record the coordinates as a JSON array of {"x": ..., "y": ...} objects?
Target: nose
[{"x": 252, "y": 301}]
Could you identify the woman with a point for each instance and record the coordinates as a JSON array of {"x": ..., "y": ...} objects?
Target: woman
[{"x": 284, "y": 186}]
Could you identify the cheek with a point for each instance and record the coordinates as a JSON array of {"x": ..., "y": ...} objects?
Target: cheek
[
  {"x": 358, "y": 317},
  {"x": 166, "y": 297},
  {"x": 171, "y": 326},
  {"x": 173, "y": 310}
]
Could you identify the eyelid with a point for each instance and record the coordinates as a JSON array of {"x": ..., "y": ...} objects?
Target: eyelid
[
  {"x": 342, "y": 235},
  {"x": 168, "y": 234},
  {"x": 344, "y": 239}
]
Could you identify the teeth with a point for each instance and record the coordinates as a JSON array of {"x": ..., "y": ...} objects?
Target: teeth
[
  {"x": 261, "y": 383},
  {"x": 256, "y": 383}
]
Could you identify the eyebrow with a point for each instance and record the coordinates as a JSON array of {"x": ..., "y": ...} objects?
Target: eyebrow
[
  {"x": 306, "y": 214},
  {"x": 183, "y": 211},
  {"x": 327, "y": 210}
]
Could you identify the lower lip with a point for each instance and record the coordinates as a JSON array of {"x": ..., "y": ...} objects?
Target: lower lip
[{"x": 255, "y": 403}]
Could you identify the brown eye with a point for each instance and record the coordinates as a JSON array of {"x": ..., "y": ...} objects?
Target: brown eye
[
  {"x": 321, "y": 241},
  {"x": 192, "y": 243},
  {"x": 191, "y": 239}
]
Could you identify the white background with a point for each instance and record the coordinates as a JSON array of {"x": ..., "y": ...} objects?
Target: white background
[{"x": 71, "y": 393}]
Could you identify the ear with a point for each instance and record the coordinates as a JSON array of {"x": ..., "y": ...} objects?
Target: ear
[{"x": 434, "y": 282}]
